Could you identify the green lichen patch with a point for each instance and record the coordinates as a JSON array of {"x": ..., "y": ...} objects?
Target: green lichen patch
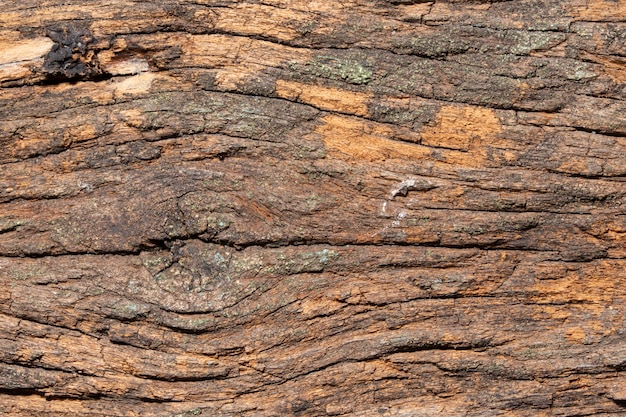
[
  {"x": 350, "y": 70},
  {"x": 525, "y": 42},
  {"x": 189, "y": 413},
  {"x": 435, "y": 45},
  {"x": 302, "y": 262},
  {"x": 127, "y": 310},
  {"x": 10, "y": 224}
]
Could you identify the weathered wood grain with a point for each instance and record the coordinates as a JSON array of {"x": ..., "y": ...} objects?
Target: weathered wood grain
[{"x": 312, "y": 208}]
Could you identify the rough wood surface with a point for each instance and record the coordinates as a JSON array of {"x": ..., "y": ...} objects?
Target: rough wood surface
[{"x": 312, "y": 208}]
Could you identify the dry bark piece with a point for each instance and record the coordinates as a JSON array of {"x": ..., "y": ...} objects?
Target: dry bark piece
[
  {"x": 68, "y": 55},
  {"x": 314, "y": 209}
]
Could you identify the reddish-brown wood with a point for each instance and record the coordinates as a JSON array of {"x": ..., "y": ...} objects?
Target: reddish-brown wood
[{"x": 312, "y": 208}]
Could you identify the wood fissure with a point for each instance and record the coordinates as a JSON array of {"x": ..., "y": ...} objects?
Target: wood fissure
[{"x": 312, "y": 208}]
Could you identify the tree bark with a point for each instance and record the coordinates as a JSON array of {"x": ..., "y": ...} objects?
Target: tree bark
[{"x": 312, "y": 208}]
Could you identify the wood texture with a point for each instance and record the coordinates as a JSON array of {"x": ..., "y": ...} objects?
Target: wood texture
[{"x": 312, "y": 208}]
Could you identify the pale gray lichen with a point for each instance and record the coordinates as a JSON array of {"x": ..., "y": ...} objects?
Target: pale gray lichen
[{"x": 340, "y": 69}]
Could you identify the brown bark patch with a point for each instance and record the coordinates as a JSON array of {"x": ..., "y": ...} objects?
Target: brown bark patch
[
  {"x": 325, "y": 98},
  {"x": 460, "y": 127}
]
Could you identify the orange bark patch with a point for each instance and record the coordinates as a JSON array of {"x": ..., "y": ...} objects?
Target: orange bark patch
[
  {"x": 575, "y": 335},
  {"x": 596, "y": 285},
  {"x": 367, "y": 141},
  {"x": 319, "y": 307},
  {"x": 325, "y": 98},
  {"x": 79, "y": 133},
  {"x": 600, "y": 10},
  {"x": 460, "y": 128},
  {"x": 236, "y": 58},
  {"x": 268, "y": 20},
  {"x": 614, "y": 67}
]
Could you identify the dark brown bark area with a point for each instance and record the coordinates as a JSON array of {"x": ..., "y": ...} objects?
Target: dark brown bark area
[{"x": 312, "y": 208}]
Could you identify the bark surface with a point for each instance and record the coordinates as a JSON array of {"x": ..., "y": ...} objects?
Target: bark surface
[{"x": 312, "y": 208}]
